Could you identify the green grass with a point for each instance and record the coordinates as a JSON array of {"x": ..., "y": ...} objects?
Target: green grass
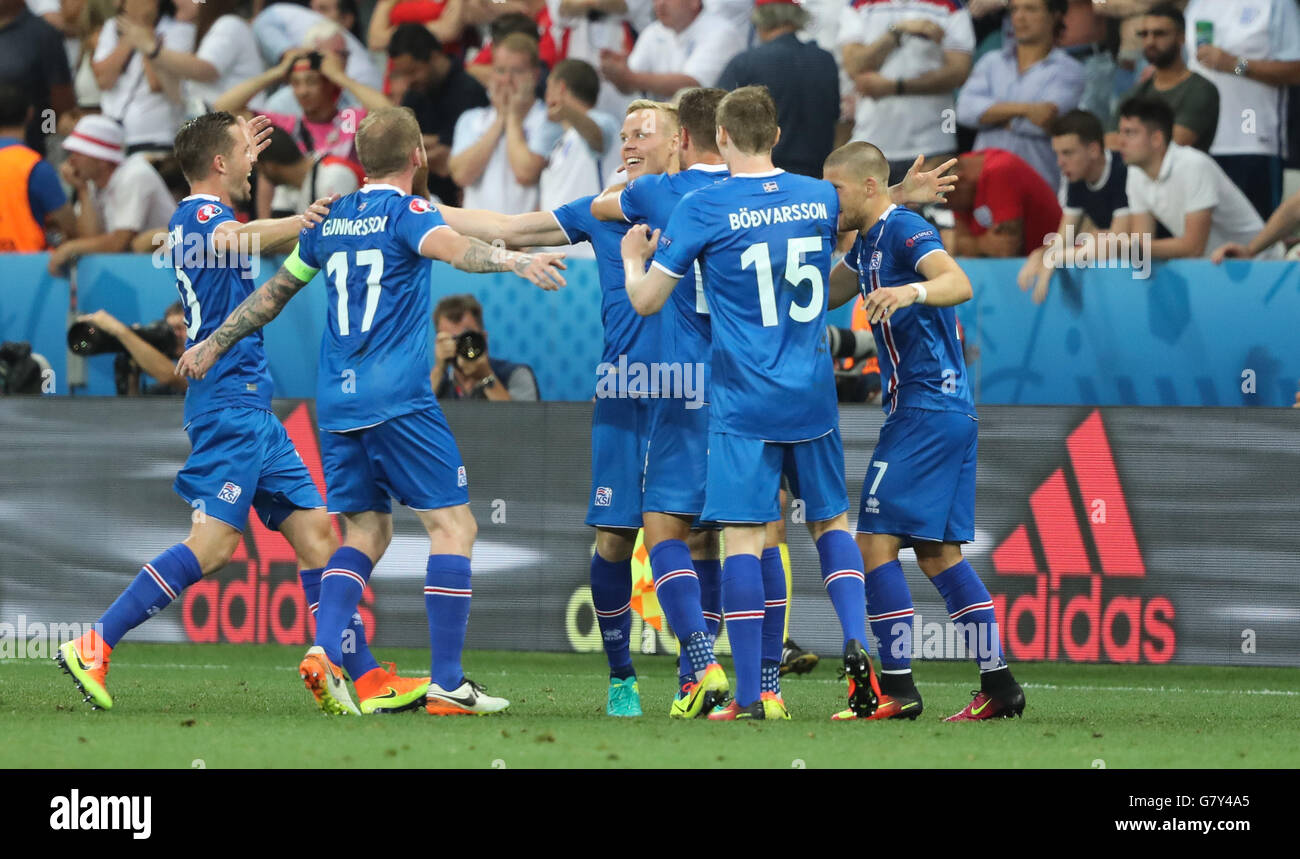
[{"x": 244, "y": 706}]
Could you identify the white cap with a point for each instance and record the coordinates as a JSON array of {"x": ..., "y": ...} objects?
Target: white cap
[{"x": 97, "y": 136}]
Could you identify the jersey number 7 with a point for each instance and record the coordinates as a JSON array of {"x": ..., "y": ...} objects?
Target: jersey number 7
[
  {"x": 795, "y": 273},
  {"x": 337, "y": 267}
]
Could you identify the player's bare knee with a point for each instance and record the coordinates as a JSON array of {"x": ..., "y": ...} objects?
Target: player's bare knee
[
  {"x": 934, "y": 558},
  {"x": 703, "y": 544},
  {"x": 615, "y": 544},
  {"x": 877, "y": 549},
  {"x": 213, "y": 544},
  {"x": 824, "y": 526}
]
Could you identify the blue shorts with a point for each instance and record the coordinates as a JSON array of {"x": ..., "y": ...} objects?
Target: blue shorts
[
  {"x": 412, "y": 458},
  {"x": 920, "y": 482},
  {"x": 677, "y": 460},
  {"x": 240, "y": 458},
  {"x": 744, "y": 478},
  {"x": 620, "y": 428}
]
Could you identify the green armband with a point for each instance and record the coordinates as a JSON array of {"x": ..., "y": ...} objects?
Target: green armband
[{"x": 299, "y": 269}]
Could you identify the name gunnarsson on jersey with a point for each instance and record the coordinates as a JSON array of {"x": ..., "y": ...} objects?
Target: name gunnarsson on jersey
[
  {"x": 355, "y": 226},
  {"x": 748, "y": 218}
]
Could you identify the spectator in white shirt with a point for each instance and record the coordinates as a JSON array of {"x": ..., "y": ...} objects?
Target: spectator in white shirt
[
  {"x": 905, "y": 60},
  {"x": 1182, "y": 187},
  {"x": 587, "y": 27},
  {"x": 584, "y": 138},
  {"x": 686, "y": 47},
  {"x": 135, "y": 92},
  {"x": 221, "y": 60},
  {"x": 119, "y": 197},
  {"x": 1252, "y": 56},
  {"x": 499, "y": 151}
]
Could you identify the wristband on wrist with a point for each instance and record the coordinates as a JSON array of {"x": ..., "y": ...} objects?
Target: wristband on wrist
[{"x": 921, "y": 293}]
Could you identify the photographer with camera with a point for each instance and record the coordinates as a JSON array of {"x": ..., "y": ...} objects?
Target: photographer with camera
[
  {"x": 462, "y": 368},
  {"x": 150, "y": 349}
]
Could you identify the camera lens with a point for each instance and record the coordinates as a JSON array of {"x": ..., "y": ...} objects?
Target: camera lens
[{"x": 471, "y": 345}]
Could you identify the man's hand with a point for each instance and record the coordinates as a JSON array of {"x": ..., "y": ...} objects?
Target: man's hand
[
  {"x": 104, "y": 321},
  {"x": 874, "y": 84},
  {"x": 285, "y": 67},
  {"x": 257, "y": 134},
  {"x": 881, "y": 304},
  {"x": 72, "y": 178},
  {"x": 317, "y": 212},
  {"x": 1036, "y": 275},
  {"x": 639, "y": 244},
  {"x": 331, "y": 67},
  {"x": 60, "y": 258},
  {"x": 197, "y": 360},
  {"x": 613, "y": 67},
  {"x": 519, "y": 101},
  {"x": 444, "y": 348},
  {"x": 1231, "y": 250},
  {"x": 930, "y": 186},
  {"x": 1213, "y": 57},
  {"x": 1041, "y": 113},
  {"x": 542, "y": 269},
  {"x": 922, "y": 27},
  {"x": 138, "y": 36}
]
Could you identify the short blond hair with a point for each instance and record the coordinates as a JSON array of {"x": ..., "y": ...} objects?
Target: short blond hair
[
  {"x": 667, "y": 111},
  {"x": 861, "y": 159},
  {"x": 385, "y": 140}
]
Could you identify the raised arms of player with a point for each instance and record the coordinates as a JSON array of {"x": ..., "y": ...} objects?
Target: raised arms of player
[
  {"x": 475, "y": 255},
  {"x": 253, "y": 312},
  {"x": 531, "y": 229},
  {"x": 647, "y": 290}
]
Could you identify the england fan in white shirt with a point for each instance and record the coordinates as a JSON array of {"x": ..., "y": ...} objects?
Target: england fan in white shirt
[
  {"x": 223, "y": 56},
  {"x": 135, "y": 92},
  {"x": 583, "y": 139},
  {"x": 498, "y": 152},
  {"x": 686, "y": 47},
  {"x": 120, "y": 197},
  {"x": 905, "y": 59},
  {"x": 1250, "y": 50},
  {"x": 1180, "y": 186}
]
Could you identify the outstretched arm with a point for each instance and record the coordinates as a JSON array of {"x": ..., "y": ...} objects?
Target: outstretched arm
[
  {"x": 927, "y": 187},
  {"x": 477, "y": 256},
  {"x": 530, "y": 229},
  {"x": 254, "y": 312}
]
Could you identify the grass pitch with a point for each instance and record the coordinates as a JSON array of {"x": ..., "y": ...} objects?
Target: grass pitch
[{"x": 244, "y": 706}]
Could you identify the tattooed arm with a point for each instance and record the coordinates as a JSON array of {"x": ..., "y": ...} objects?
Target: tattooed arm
[
  {"x": 254, "y": 312},
  {"x": 477, "y": 256}
]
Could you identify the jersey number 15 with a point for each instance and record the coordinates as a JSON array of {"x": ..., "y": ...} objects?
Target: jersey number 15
[{"x": 795, "y": 273}]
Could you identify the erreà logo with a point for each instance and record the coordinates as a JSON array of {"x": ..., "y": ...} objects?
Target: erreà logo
[{"x": 1068, "y": 614}]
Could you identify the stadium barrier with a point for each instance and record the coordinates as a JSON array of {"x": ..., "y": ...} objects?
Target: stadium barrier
[
  {"x": 1114, "y": 535},
  {"x": 1194, "y": 334}
]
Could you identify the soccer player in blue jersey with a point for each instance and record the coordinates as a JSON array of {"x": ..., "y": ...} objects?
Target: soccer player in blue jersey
[
  {"x": 241, "y": 453},
  {"x": 919, "y": 489},
  {"x": 772, "y": 393},
  {"x": 621, "y": 417},
  {"x": 383, "y": 434}
]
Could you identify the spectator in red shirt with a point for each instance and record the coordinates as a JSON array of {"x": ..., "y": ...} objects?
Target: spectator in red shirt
[
  {"x": 1002, "y": 206},
  {"x": 446, "y": 19}
]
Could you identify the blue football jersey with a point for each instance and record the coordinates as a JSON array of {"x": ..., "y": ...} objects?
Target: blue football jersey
[
  {"x": 374, "y": 360},
  {"x": 921, "y": 361},
  {"x": 211, "y": 286},
  {"x": 764, "y": 243},
  {"x": 686, "y": 334},
  {"x": 626, "y": 332}
]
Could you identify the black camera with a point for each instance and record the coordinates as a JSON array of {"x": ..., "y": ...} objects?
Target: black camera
[
  {"x": 471, "y": 345},
  {"x": 20, "y": 373},
  {"x": 84, "y": 338}
]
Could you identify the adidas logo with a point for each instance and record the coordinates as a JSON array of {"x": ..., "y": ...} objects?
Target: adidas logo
[{"x": 1078, "y": 539}]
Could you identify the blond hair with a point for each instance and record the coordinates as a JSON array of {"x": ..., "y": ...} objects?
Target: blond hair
[{"x": 385, "y": 140}]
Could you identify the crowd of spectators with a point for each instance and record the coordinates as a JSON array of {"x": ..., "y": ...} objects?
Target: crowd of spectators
[{"x": 1126, "y": 116}]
